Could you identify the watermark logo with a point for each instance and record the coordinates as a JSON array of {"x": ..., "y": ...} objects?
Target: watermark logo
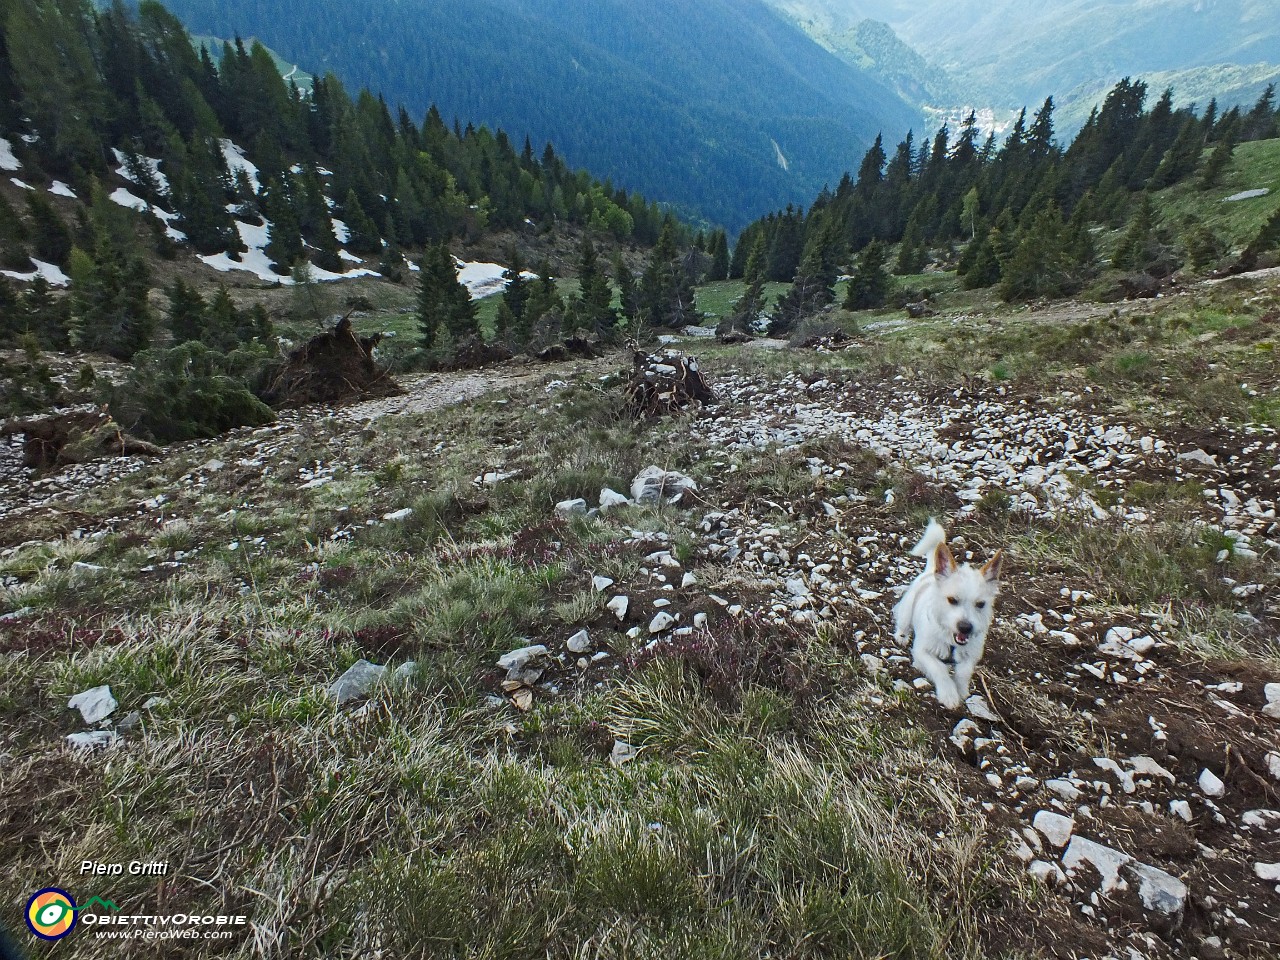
[{"x": 51, "y": 913}]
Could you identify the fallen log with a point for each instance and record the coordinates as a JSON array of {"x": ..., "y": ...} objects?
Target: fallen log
[{"x": 74, "y": 435}]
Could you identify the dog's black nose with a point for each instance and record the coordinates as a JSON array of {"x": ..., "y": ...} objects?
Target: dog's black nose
[{"x": 964, "y": 627}]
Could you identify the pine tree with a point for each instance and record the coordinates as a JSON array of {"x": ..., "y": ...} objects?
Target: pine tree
[
  {"x": 811, "y": 290},
  {"x": 592, "y": 309},
  {"x": 1217, "y": 163},
  {"x": 628, "y": 295},
  {"x": 516, "y": 292},
  {"x": 109, "y": 300},
  {"x": 1136, "y": 248},
  {"x": 911, "y": 254},
  {"x": 50, "y": 238},
  {"x": 719, "y": 269},
  {"x": 870, "y": 283},
  {"x": 666, "y": 293},
  {"x": 284, "y": 236},
  {"x": 1038, "y": 266},
  {"x": 445, "y": 306},
  {"x": 186, "y": 312},
  {"x": 13, "y": 240},
  {"x": 543, "y": 309},
  {"x": 747, "y": 311},
  {"x": 362, "y": 234}
]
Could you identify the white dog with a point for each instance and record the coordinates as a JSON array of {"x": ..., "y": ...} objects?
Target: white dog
[{"x": 948, "y": 608}]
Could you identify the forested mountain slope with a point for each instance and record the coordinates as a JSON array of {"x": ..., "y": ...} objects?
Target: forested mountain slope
[{"x": 719, "y": 107}]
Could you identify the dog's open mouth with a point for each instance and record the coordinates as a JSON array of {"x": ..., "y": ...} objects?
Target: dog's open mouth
[{"x": 961, "y": 639}]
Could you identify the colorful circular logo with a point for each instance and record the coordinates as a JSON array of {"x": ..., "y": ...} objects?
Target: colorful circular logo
[{"x": 51, "y": 913}]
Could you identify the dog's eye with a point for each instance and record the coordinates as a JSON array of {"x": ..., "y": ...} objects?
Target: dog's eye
[
  {"x": 952, "y": 600},
  {"x": 980, "y": 604}
]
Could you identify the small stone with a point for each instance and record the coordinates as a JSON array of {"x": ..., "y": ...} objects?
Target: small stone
[
  {"x": 1273, "y": 765},
  {"x": 1210, "y": 785},
  {"x": 1082, "y": 851},
  {"x": 1272, "y": 692},
  {"x": 875, "y": 666},
  {"x": 1065, "y": 789},
  {"x": 1054, "y": 827},
  {"x": 1160, "y": 892},
  {"x": 398, "y": 514},
  {"x": 154, "y": 703},
  {"x": 1046, "y": 872},
  {"x": 1267, "y": 871},
  {"x": 619, "y": 606},
  {"x": 977, "y": 705},
  {"x": 406, "y": 670},
  {"x": 94, "y": 704},
  {"x": 622, "y": 753},
  {"x": 359, "y": 679},
  {"x": 93, "y": 739},
  {"x": 212, "y": 466},
  {"x": 688, "y": 581},
  {"x": 661, "y": 621},
  {"x": 699, "y": 620},
  {"x": 609, "y": 499},
  {"x": 653, "y": 484},
  {"x": 601, "y": 584},
  {"x": 129, "y": 720},
  {"x": 1180, "y": 808},
  {"x": 518, "y": 658},
  {"x": 571, "y": 508},
  {"x": 580, "y": 642},
  {"x": 962, "y": 734}
]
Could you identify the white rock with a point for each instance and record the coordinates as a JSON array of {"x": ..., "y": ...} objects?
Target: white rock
[
  {"x": 93, "y": 739},
  {"x": 1160, "y": 892},
  {"x": 699, "y": 620},
  {"x": 571, "y": 508},
  {"x": 687, "y": 581},
  {"x": 94, "y": 704},
  {"x": 796, "y": 587},
  {"x": 610, "y": 499},
  {"x": 1145, "y": 766},
  {"x": 518, "y": 658},
  {"x": 661, "y": 621},
  {"x": 962, "y": 734},
  {"x": 1267, "y": 871},
  {"x": 601, "y": 584},
  {"x": 1272, "y": 692},
  {"x": 1082, "y": 852},
  {"x": 1273, "y": 765},
  {"x": 1054, "y": 827},
  {"x": 977, "y": 705},
  {"x": 1065, "y": 789},
  {"x": 580, "y": 642},
  {"x": 1198, "y": 456},
  {"x": 619, "y": 606},
  {"x": 1180, "y": 808},
  {"x": 653, "y": 484},
  {"x": 154, "y": 703},
  {"x": 1210, "y": 785},
  {"x": 398, "y": 514},
  {"x": 1047, "y": 872},
  {"x": 359, "y": 678},
  {"x": 406, "y": 670},
  {"x": 622, "y": 753}
]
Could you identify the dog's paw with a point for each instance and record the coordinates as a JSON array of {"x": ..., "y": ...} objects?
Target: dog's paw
[{"x": 950, "y": 701}]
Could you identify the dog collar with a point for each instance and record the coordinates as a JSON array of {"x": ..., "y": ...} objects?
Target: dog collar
[{"x": 951, "y": 656}]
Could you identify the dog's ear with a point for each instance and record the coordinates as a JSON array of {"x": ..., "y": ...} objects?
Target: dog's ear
[
  {"x": 991, "y": 569},
  {"x": 944, "y": 564}
]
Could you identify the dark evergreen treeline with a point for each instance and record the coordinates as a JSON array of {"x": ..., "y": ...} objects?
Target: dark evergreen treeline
[
  {"x": 1023, "y": 209},
  {"x": 76, "y": 83}
]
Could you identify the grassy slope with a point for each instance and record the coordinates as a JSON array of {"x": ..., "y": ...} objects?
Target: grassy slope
[
  {"x": 771, "y": 802},
  {"x": 1253, "y": 166}
]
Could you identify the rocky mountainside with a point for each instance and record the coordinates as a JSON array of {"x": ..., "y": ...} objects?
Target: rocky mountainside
[{"x": 496, "y": 636}]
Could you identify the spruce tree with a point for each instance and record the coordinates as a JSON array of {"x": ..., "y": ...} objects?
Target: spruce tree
[
  {"x": 746, "y": 312},
  {"x": 13, "y": 240},
  {"x": 628, "y": 295},
  {"x": 284, "y": 236},
  {"x": 719, "y": 269},
  {"x": 870, "y": 283},
  {"x": 1039, "y": 265},
  {"x": 666, "y": 293},
  {"x": 1136, "y": 248},
  {"x": 186, "y": 312},
  {"x": 362, "y": 234},
  {"x": 1216, "y": 164},
  {"x": 50, "y": 238},
  {"x": 592, "y": 309}
]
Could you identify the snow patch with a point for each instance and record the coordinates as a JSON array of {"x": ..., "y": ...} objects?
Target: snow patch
[
  {"x": 52, "y": 275},
  {"x": 483, "y": 279},
  {"x": 340, "y": 231},
  {"x": 1246, "y": 195},
  {"x": 783, "y": 162},
  {"x": 60, "y": 189},
  {"x": 254, "y": 260},
  {"x": 236, "y": 160},
  {"x": 7, "y": 160},
  {"x": 151, "y": 163},
  {"x": 18, "y": 183}
]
